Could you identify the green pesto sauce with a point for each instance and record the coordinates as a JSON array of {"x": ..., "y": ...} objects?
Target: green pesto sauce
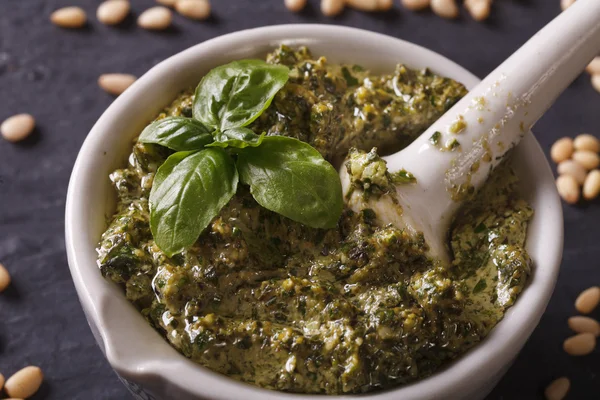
[{"x": 358, "y": 308}]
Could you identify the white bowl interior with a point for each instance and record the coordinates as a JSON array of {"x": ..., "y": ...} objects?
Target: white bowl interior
[{"x": 138, "y": 353}]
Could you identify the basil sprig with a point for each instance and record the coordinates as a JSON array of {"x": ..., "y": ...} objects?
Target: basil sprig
[{"x": 191, "y": 187}]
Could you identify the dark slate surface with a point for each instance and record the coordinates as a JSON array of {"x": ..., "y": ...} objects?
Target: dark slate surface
[{"x": 52, "y": 74}]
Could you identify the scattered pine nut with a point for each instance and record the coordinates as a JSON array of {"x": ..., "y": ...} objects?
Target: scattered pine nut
[
  {"x": 580, "y": 345},
  {"x": 582, "y": 324},
  {"x": 155, "y": 18},
  {"x": 24, "y": 383},
  {"x": 445, "y": 8},
  {"x": 568, "y": 188},
  {"x": 588, "y": 159},
  {"x": 588, "y": 300},
  {"x": 193, "y": 9},
  {"x": 573, "y": 168},
  {"x": 564, "y": 4},
  {"x": 295, "y": 5},
  {"x": 558, "y": 389},
  {"x": 596, "y": 82},
  {"x": 4, "y": 282},
  {"x": 331, "y": 8},
  {"x": 416, "y": 5},
  {"x": 591, "y": 186},
  {"x": 385, "y": 5},
  {"x": 113, "y": 12},
  {"x": 115, "y": 84},
  {"x": 1, "y": 381},
  {"x": 562, "y": 150},
  {"x": 168, "y": 3},
  {"x": 362, "y": 5},
  {"x": 370, "y": 5},
  {"x": 585, "y": 141},
  {"x": 479, "y": 9},
  {"x": 69, "y": 17},
  {"x": 593, "y": 68},
  {"x": 17, "y": 127}
]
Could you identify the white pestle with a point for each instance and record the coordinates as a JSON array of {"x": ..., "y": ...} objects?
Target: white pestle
[{"x": 496, "y": 114}]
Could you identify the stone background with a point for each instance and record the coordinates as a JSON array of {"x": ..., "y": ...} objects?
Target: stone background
[{"x": 51, "y": 73}]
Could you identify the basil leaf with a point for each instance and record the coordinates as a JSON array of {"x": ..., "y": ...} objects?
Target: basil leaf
[
  {"x": 167, "y": 167},
  {"x": 402, "y": 176},
  {"x": 292, "y": 178},
  {"x": 189, "y": 190},
  {"x": 237, "y": 137},
  {"x": 480, "y": 286},
  {"x": 235, "y": 94},
  {"x": 177, "y": 133}
]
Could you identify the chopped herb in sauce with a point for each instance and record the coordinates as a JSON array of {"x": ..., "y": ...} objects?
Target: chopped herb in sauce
[
  {"x": 369, "y": 173},
  {"x": 352, "y": 309},
  {"x": 403, "y": 176},
  {"x": 480, "y": 286},
  {"x": 350, "y": 79},
  {"x": 458, "y": 126},
  {"x": 480, "y": 228},
  {"x": 452, "y": 144},
  {"x": 435, "y": 138}
]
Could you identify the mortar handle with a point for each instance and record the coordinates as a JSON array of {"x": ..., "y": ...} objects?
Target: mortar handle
[
  {"x": 490, "y": 120},
  {"x": 503, "y": 107}
]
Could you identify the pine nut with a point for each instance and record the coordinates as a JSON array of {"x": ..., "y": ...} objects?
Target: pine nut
[
  {"x": 1, "y": 382},
  {"x": 573, "y": 168},
  {"x": 479, "y": 9},
  {"x": 445, "y": 8},
  {"x": 370, "y": 5},
  {"x": 113, "y": 12},
  {"x": 588, "y": 159},
  {"x": 362, "y": 5},
  {"x": 585, "y": 141},
  {"x": 596, "y": 82},
  {"x": 582, "y": 324},
  {"x": 558, "y": 389},
  {"x": 562, "y": 149},
  {"x": 155, "y": 18},
  {"x": 568, "y": 188},
  {"x": 331, "y": 8},
  {"x": 588, "y": 300},
  {"x": 4, "y": 282},
  {"x": 591, "y": 186},
  {"x": 580, "y": 345},
  {"x": 115, "y": 84},
  {"x": 69, "y": 17},
  {"x": 385, "y": 5},
  {"x": 295, "y": 5},
  {"x": 416, "y": 5},
  {"x": 564, "y": 4},
  {"x": 17, "y": 127},
  {"x": 193, "y": 9},
  {"x": 24, "y": 383},
  {"x": 168, "y": 3},
  {"x": 593, "y": 68}
]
